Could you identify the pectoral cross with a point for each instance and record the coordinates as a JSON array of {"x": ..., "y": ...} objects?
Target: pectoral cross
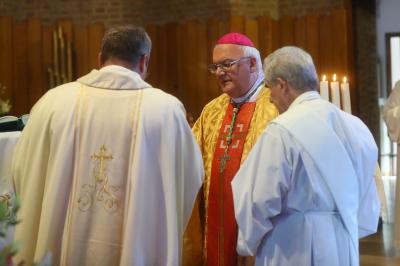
[{"x": 223, "y": 159}]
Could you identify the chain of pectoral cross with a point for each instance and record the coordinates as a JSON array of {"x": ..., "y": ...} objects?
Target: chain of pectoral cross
[
  {"x": 226, "y": 157},
  {"x": 236, "y": 108}
]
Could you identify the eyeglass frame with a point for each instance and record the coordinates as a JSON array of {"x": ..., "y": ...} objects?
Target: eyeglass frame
[{"x": 225, "y": 66}]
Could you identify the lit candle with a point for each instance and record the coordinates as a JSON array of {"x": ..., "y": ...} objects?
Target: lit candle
[
  {"x": 345, "y": 93},
  {"x": 335, "y": 92},
  {"x": 324, "y": 88}
]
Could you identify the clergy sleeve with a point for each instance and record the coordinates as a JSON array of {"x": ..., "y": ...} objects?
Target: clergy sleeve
[
  {"x": 368, "y": 210},
  {"x": 258, "y": 189},
  {"x": 391, "y": 113},
  {"x": 29, "y": 170}
]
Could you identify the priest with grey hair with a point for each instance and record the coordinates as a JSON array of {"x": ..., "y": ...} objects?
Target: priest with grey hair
[{"x": 306, "y": 192}]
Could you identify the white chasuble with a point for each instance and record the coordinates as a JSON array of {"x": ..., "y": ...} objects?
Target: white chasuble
[{"x": 108, "y": 171}]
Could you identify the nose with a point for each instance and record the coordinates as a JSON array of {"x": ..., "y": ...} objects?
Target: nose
[{"x": 220, "y": 71}]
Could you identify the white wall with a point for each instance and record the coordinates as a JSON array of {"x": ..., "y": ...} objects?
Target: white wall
[{"x": 388, "y": 20}]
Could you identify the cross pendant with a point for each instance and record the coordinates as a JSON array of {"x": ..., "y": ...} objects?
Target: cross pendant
[{"x": 223, "y": 160}]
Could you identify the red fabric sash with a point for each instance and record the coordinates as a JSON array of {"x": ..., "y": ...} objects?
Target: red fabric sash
[{"x": 221, "y": 223}]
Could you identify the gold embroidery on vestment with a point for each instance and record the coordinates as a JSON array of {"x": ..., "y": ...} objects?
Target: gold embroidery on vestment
[{"x": 104, "y": 192}]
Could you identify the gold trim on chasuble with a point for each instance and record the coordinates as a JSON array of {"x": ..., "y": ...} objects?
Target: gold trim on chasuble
[
  {"x": 100, "y": 190},
  {"x": 207, "y": 133}
]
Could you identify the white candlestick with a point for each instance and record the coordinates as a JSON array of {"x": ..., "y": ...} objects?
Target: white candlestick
[
  {"x": 335, "y": 92},
  {"x": 345, "y": 93},
  {"x": 324, "y": 88}
]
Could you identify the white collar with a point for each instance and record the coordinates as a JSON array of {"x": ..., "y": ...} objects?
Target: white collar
[
  {"x": 256, "y": 86},
  {"x": 115, "y": 78},
  {"x": 304, "y": 97}
]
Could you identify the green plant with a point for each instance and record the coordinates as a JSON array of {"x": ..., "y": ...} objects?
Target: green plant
[
  {"x": 5, "y": 106},
  {"x": 8, "y": 218}
]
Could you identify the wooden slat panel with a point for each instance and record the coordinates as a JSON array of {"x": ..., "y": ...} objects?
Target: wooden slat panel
[
  {"x": 81, "y": 47},
  {"x": 275, "y": 37},
  {"x": 251, "y": 30},
  {"x": 286, "y": 31},
  {"x": 20, "y": 69},
  {"x": 213, "y": 33},
  {"x": 153, "y": 71},
  {"x": 35, "y": 73},
  {"x": 300, "y": 32},
  {"x": 224, "y": 27},
  {"x": 326, "y": 42},
  {"x": 96, "y": 33},
  {"x": 191, "y": 90},
  {"x": 269, "y": 39},
  {"x": 172, "y": 49},
  {"x": 340, "y": 59},
  {"x": 201, "y": 67},
  {"x": 181, "y": 44},
  {"x": 162, "y": 51},
  {"x": 6, "y": 57},
  {"x": 47, "y": 55},
  {"x": 236, "y": 24},
  {"x": 350, "y": 60},
  {"x": 312, "y": 39}
]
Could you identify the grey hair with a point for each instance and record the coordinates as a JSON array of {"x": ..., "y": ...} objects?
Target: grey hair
[
  {"x": 253, "y": 52},
  {"x": 125, "y": 43},
  {"x": 294, "y": 65}
]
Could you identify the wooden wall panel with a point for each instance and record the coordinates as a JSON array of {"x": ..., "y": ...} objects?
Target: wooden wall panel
[
  {"x": 153, "y": 71},
  {"x": 47, "y": 56},
  {"x": 340, "y": 58},
  {"x": 6, "y": 56},
  {"x": 326, "y": 47},
  {"x": 35, "y": 61},
  {"x": 312, "y": 38},
  {"x": 251, "y": 30},
  {"x": 237, "y": 24},
  {"x": 201, "y": 71},
  {"x": 300, "y": 32},
  {"x": 171, "y": 57},
  {"x": 268, "y": 36},
  {"x": 180, "y": 54},
  {"x": 81, "y": 48},
  {"x": 214, "y": 31},
  {"x": 162, "y": 57},
  {"x": 286, "y": 31},
  {"x": 190, "y": 92},
  {"x": 20, "y": 87},
  {"x": 95, "y": 35}
]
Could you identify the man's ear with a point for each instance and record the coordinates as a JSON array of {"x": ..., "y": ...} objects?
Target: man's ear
[
  {"x": 99, "y": 60},
  {"x": 253, "y": 65},
  {"x": 144, "y": 63},
  {"x": 284, "y": 86}
]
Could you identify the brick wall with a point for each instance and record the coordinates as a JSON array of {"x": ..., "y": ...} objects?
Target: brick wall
[
  {"x": 255, "y": 8},
  {"x": 303, "y": 7},
  {"x": 113, "y": 12}
]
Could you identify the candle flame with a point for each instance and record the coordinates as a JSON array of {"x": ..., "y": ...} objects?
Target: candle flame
[
  {"x": 334, "y": 77},
  {"x": 323, "y": 77},
  {"x": 345, "y": 79}
]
